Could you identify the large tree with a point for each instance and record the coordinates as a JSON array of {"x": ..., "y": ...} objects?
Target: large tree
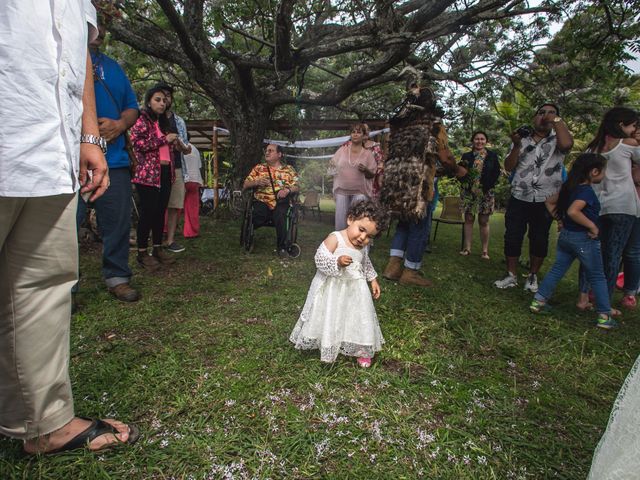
[{"x": 255, "y": 58}]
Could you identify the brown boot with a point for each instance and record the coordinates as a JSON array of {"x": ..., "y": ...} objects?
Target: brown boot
[
  {"x": 414, "y": 277},
  {"x": 147, "y": 262},
  {"x": 163, "y": 257},
  {"x": 393, "y": 270},
  {"x": 125, "y": 293}
]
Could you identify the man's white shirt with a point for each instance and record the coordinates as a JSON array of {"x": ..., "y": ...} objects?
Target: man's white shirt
[{"x": 43, "y": 53}]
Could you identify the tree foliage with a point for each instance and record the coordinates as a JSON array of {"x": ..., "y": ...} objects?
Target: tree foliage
[{"x": 253, "y": 59}]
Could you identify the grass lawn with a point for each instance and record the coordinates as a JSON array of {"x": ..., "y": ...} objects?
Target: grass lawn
[{"x": 469, "y": 385}]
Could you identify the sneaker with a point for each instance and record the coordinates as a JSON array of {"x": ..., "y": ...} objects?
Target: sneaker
[
  {"x": 507, "y": 282},
  {"x": 531, "y": 284},
  {"x": 539, "y": 307},
  {"x": 606, "y": 322},
  {"x": 629, "y": 301},
  {"x": 175, "y": 248},
  {"x": 125, "y": 293}
]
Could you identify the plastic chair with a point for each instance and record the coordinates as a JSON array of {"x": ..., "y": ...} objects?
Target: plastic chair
[
  {"x": 451, "y": 214},
  {"x": 311, "y": 203}
]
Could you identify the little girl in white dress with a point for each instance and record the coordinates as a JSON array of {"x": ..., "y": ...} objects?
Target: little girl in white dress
[{"x": 338, "y": 315}]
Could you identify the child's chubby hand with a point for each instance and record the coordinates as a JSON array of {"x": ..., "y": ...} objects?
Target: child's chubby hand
[
  {"x": 375, "y": 289},
  {"x": 344, "y": 260}
]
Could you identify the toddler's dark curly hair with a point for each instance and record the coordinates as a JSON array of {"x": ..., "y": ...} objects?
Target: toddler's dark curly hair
[{"x": 372, "y": 210}]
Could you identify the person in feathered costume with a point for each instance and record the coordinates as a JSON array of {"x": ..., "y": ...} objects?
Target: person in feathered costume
[{"x": 418, "y": 150}]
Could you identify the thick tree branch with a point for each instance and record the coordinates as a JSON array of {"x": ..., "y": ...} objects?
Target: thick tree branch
[{"x": 181, "y": 32}]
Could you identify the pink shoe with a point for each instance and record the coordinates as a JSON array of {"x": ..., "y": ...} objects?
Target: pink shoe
[
  {"x": 628, "y": 301},
  {"x": 620, "y": 281},
  {"x": 364, "y": 362}
]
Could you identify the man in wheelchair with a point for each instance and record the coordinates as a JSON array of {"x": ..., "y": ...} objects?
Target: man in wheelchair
[{"x": 273, "y": 184}]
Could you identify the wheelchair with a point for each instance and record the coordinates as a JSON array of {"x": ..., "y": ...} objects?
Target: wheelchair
[{"x": 292, "y": 218}]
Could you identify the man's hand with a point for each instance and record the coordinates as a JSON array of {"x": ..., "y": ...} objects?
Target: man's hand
[
  {"x": 516, "y": 139},
  {"x": 375, "y": 289},
  {"x": 593, "y": 232},
  {"x": 92, "y": 160},
  {"x": 171, "y": 137},
  {"x": 344, "y": 260},
  {"x": 262, "y": 182},
  {"x": 110, "y": 129},
  {"x": 283, "y": 192}
]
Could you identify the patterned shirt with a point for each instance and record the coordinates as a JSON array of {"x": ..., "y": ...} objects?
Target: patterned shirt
[
  {"x": 538, "y": 174},
  {"x": 283, "y": 177}
]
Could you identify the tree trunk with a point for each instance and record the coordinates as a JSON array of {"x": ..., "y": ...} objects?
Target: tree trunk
[{"x": 247, "y": 129}]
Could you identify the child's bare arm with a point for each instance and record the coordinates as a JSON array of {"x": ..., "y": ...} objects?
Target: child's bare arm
[
  {"x": 331, "y": 242},
  {"x": 575, "y": 213}
]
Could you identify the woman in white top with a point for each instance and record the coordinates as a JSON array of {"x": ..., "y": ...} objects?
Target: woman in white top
[{"x": 620, "y": 205}]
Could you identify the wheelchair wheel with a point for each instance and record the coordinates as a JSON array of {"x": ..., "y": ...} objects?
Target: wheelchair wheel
[{"x": 294, "y": 250}]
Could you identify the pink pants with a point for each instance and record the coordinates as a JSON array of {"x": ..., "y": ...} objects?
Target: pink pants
[{"x": 191, "y": 210}]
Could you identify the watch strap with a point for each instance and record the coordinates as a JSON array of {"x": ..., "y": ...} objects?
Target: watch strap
[{"x": 94, "y": 140}]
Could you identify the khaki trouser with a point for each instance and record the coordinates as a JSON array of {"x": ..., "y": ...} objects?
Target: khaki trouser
[{"x": 38, "y": 267}]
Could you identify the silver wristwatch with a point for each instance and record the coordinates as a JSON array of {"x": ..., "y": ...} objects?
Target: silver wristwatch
[{"x": 95, "y": 140}]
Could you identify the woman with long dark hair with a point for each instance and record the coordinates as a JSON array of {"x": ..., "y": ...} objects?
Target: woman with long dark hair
[
  {"x": 476, "y": 193},
  {"x": 620, "y": 213},
  {"x": 153, "y": 175}
]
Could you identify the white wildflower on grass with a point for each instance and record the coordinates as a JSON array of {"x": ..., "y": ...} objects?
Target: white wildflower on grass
[
  {"x": 318, "y": 386},
  {"x": 482, "y": 460},
  {"x": 321, "y": 447},
  {"x": 164, "y": 443},
  {"x": 434, "y": 454},
  {"x": 511, "y": 364},
  {"x": 376, "y": 432},
  {"x": 497, "y": 448},
  {"x": 435, "y": 383},
  {"x": 535, "y": 384},
  {"x": 229, "y": 403},
  {"x": 451, "y": 366},
  {"x": 466, "y": 460}
]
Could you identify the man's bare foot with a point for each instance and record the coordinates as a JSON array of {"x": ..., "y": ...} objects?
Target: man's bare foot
[{"x": 59, "y": 438}]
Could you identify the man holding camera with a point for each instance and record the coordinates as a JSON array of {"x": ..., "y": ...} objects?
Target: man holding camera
[{"x": 536, "y": 160}]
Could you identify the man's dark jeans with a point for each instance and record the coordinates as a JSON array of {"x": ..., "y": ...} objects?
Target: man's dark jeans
[
  {"x": 263, "y": 215},
  {"x": 113, "y": 211}
]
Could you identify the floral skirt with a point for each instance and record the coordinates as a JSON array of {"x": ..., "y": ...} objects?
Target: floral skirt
[{"x": 480, "y": 204}]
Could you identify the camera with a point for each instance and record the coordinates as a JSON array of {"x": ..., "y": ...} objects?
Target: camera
[{"x": 524, "y": 131}]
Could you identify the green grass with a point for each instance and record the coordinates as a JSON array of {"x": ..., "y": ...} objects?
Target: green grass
[{"x": 469, "y": 385}]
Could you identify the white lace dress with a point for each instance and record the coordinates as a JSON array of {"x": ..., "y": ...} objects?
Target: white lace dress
[
  {"x": 617, "y": 456},
  {"x": 339, "y": 316}
]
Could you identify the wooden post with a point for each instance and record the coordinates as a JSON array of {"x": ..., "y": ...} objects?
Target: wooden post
[{"x": 214, "y": 150}]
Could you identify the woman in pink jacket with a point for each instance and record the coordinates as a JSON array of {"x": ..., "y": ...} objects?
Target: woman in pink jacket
[{"x": 153, "y": 175}]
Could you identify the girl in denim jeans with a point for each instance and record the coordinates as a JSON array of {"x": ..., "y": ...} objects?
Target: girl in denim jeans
[{"x": 578, "y": 209}]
